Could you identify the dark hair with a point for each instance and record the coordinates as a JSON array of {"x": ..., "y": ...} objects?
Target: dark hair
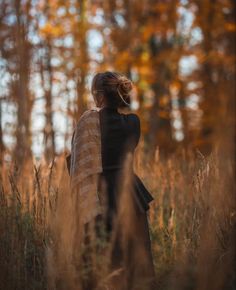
[{"x": 114, "y": 87}]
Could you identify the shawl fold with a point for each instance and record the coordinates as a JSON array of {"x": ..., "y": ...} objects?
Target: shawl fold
[{"x": 86, "y": 165}]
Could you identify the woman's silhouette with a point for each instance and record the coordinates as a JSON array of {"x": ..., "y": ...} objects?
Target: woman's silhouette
[{"x": 116, "y": 141}]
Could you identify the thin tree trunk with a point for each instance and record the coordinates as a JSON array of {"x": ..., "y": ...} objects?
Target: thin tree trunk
[
  {"x": 47, "y": 83},
  {"x": 24, "y": 103},
  {"x": 2, "y": 148},
  {"x": 83, "y": 60}
]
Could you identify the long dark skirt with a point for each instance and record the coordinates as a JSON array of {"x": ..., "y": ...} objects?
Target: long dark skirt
[{"x": 131, "y": 256}]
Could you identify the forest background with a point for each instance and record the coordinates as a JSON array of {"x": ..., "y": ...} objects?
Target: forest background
[{"x": 179, "y": 54}]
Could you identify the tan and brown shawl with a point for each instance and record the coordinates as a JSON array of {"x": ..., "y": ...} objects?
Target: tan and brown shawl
[{"x": 86, "y": 165}]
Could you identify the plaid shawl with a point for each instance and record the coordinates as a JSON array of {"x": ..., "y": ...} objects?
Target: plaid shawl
[{"x": 86, "y": 164}]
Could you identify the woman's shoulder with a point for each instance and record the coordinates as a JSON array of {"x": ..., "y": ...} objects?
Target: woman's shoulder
[
  {"x": 133, "y": 125},
  {"x": 131, "y": 116},
  {"x": 89, "y": 119},
  {"x": 132, "y": 119},
  {"x": 88, "y": 115}
]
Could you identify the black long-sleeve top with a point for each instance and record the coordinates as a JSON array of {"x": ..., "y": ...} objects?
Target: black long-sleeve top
[{"x": 120, "y": 133}]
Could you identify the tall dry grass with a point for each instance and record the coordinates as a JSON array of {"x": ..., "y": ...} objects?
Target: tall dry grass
[{"x": 192, "y": 225}]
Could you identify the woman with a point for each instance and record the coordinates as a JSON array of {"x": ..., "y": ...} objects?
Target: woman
[{"x": 110, "y": 140}]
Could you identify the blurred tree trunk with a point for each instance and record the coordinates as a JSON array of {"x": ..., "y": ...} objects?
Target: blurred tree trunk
[
  {"x": 1, "y": 135},
  {"x": 210, "y": 104},
  {"x": 161, "y": 44},
  {"x": 47, "y": 84},
  {"x": 2, "y": 37},
  {"x": 82, "y": 63},
  {"x": 159, "y": 134},
  {"x": 227, "y": 79},
  {"x": 22, "y": 95}
]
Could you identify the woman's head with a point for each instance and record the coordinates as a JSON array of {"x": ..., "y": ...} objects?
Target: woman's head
[{"x": 111, "y": 89}]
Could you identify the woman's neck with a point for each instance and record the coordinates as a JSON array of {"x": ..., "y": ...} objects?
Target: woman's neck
[{"x": 109, "y": 108}]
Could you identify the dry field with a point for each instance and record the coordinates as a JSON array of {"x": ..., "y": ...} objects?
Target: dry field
[{"x": 192, "y": 224}]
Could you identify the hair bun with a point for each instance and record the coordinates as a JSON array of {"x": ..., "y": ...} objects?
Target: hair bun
[{"x": 124, "y": 85}]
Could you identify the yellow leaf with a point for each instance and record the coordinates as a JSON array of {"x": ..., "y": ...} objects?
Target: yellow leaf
[{"x": 51, "y": 30}]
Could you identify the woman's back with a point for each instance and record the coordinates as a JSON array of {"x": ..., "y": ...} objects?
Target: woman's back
[{"x": 120, "y": 133}]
